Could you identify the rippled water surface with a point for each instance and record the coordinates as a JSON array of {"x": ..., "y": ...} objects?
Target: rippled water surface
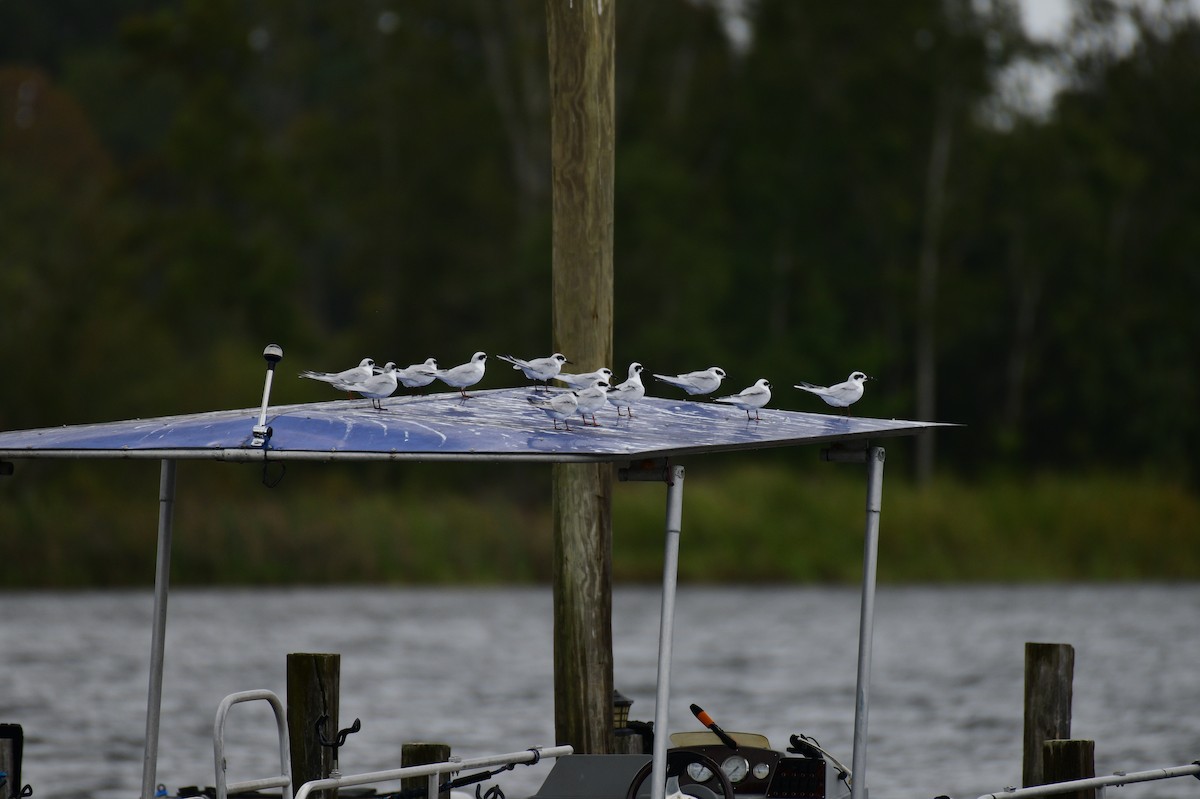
[{"x": 473, "y": 668}]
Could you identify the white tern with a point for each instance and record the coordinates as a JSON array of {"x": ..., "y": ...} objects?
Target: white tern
[
  {"x": 751, "y": 399},
  {"x": 629, "y": 392},
  {"x": 344, "y": 380},
  {"x": 840, "y": 395},
  {"x": 464, "y": 375},
  {"x": 704, "y": 381}
]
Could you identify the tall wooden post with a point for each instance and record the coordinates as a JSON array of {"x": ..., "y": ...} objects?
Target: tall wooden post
[
  {"x": 313, "y": 691},
  {"x": 1049, "y": 677},
  {"x": 581, "y": 39}
]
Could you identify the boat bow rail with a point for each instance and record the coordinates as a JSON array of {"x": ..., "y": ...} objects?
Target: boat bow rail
[
  {"x": 434, "y": 770},
  {"x": 1098, "y": 784},
  {"x": 337, "y": 780},
  {"x": 284, "y": 779}
]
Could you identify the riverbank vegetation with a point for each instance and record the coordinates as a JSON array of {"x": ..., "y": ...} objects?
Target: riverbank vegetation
[{"x": 746, "y": 523}]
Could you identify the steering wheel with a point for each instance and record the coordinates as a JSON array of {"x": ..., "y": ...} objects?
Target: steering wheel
[{"x": 718, "y": 785}]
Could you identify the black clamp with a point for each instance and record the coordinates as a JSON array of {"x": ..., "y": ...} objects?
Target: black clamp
[{"x": 339, "y": 740}]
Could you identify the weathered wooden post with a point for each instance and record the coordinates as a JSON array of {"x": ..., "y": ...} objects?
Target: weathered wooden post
[
  {"x": 581, "y": 41},
  {"x": 419, "y": 753},
  {"x": 313, "y": 691},
  {"x": 1063, "y": 761},
  {"x": 1049, "y": 671}
]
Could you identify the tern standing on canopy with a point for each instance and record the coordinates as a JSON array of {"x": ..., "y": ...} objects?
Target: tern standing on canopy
[
  {"x": 751, "y": 399},
  {"x": 464, "y": 375},
  {"x": 347, "y": 378},
  {"x": 540, "y": 369},
  {"x": 839, "y": 395}
]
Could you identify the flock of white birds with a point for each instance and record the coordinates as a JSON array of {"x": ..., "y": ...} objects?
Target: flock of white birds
[{"x": 588, "y": 392}]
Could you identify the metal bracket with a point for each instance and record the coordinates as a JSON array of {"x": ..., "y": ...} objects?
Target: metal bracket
[
  {"x": 651, "y": 470},
  {"x": 847, "y": 452}
]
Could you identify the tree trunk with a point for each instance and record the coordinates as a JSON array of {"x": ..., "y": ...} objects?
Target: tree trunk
[{"x": 927, "y": 280}]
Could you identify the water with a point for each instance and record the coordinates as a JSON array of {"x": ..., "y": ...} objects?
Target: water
[{"x": 473, "y": 668}]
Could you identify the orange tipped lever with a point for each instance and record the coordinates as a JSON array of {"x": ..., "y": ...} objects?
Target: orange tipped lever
[{"x": 707, "y": 721}]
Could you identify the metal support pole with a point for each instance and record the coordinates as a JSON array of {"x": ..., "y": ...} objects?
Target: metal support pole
[
  {"x": 658, "y": 771},
  {"x": 866, "y": 625},
  {"x": 162, "y": 579}
]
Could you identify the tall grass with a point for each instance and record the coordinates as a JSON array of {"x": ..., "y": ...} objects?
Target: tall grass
[{"x": 78, "y": 528}]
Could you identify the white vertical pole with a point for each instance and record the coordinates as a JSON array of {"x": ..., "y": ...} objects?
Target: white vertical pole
[
  {"x": 866, "y": 625},
  {"x": 658, "y": 771},
  {"x": 162, "y": 579}
]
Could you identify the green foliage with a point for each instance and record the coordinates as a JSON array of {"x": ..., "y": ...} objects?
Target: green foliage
[{"x": 741, "y": 524}]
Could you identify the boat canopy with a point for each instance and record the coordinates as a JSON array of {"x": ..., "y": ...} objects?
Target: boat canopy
[
  {"x": 492, "y": 425},
  {"x": 497, "y": 425}
]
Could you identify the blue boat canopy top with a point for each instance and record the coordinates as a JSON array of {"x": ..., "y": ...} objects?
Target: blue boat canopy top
[{"x": 496, "y": 425}]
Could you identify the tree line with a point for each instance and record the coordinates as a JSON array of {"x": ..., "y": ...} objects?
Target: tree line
[{"x": 840, "y": 188}]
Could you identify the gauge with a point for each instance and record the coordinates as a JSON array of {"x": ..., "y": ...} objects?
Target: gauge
[
  {"x": 699, "y": 772},
  {"x": 761, "y": 771},
  {"x": 736, "y": 768}
]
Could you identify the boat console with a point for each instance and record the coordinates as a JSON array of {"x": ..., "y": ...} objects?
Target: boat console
[{"x": 703, "y": 766}]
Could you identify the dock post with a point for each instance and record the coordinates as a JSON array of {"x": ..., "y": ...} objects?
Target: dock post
[
  {"x": 1049, "y": 671},
  {"x": 313, "y": 691},
  {"x": 1065, "y": 760},
  {"x": 866, "y": 627},
  {"x": 418, "y": 753},
  {"x": 581, "y": 48},
  {"x": 582, "y": 653},
  {"x": 162, "y": 582}
]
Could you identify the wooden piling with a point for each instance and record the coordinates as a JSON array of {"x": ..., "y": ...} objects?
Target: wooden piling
[
  {"x": 313, "y": 691},
  {"x": 420, "y": 753},
  {"x": 581, "y": 42},
  {"x": 1065, "y": 760},
  {"x": 1049, "y": 671}
]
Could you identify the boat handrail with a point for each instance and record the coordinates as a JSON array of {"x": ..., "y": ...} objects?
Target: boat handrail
[
  {"x": 530, "y": 756},
  {"x": 284, "y": 780},
  {"x": 1116, "y": 780}
]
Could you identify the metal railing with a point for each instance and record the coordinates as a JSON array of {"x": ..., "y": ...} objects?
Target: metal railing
[
  {"x": 284, "y": 780},
  {"x": 433, "y": 770},
  {"x": 1098, "y": 783}
]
